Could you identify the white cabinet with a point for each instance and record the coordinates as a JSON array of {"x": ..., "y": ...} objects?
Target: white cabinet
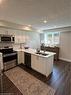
[
  {"x": 16, "y": 39},
  {"x": 20, "y": 57},
  {"x": 19, "y": 39},
  {"x": 42, "y": 64},
  {"x": 34, "y": 62},
  {"x": 1, "y": 62},
  {"x": 38, "y": 64},
  {"x": 49, "y": 65}
]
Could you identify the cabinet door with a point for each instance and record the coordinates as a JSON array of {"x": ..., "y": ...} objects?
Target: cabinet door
[
  {"x": 17, "y": 39},
  {"x": 34, "y": 62},
  {"x": 19, "y": 57},
  {"x": 49, "y": 65},
  {"x": 41, "y": 65},
  {"x": 20, "y": 39},
  {"x": 22, "y": 57},
  {"x": 38, "y": 64},
  {"x": 1, "y": 62}
]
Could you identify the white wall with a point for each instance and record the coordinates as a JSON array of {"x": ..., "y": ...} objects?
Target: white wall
[
  {"x": 33, "y": 39},
  {"x": 65, "y": 46}
]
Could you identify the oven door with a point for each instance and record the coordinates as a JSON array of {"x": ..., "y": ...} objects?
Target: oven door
[
  {"x": 9, "y": 57},
  {"x": 9, "y": 61}
]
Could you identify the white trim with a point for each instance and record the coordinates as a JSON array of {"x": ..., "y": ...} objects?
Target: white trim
[{"x": 65, "y": 59}]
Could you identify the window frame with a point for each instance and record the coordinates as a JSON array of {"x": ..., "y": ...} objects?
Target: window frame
[{"x": 53, "y": 37}]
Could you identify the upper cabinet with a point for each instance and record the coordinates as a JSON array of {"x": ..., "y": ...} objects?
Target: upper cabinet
[
  {"x": 19, "y": 39},
  {"x": 19, "y": 36},
  {"x": 7, "y": 31},
  {"x": 2, "y": 31}
]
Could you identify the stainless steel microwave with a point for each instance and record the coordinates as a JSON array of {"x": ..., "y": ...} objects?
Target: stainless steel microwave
[{"x": 7, "y": 38}]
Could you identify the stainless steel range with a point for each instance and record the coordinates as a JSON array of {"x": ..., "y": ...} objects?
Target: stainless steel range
[{"x": 9, "y": 58}]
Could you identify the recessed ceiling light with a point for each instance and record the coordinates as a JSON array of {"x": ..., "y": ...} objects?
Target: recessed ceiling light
[
  {"x": 27, "y": 28},
  {"x": 45, "y": 21}
]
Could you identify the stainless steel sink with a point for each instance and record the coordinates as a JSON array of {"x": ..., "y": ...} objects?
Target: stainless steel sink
[{"x": 44, "y": 54}]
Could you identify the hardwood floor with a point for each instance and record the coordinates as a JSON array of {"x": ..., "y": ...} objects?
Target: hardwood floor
[
  {"x": 7, "y": 87},
  {"x": 60, "y": 79}
]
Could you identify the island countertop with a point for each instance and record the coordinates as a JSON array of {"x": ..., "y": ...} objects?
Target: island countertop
[{"x": 33, "y": 51}]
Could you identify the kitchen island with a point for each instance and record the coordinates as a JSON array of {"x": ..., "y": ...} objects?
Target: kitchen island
[{"x": 41, "y": 62}]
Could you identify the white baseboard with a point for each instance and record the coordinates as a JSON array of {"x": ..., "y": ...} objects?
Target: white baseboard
[{"x": 65, "y": 59}]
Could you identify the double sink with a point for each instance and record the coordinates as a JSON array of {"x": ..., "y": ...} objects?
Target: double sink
[{"x": 40, "y": 53}]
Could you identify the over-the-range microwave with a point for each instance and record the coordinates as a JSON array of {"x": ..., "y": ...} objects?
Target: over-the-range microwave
[{"x": 7, "y": 38}]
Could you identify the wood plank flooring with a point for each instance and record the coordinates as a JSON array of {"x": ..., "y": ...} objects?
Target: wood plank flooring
[
  {"x": 7, "y": 87},
  {"x": 60, "y": 79}
]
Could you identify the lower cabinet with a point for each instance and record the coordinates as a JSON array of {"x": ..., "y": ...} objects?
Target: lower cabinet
[
  {"x": 38, "y": 64},
  {"x": 1, "y": 62},
  {"x": 43, "y": 65},
  {"x": 20, "y": 57}
]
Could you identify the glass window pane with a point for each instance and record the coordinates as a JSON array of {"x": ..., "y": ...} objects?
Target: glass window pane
[
  {"x": 56, "y": 38},
  {"x": 51, "y": 38}
]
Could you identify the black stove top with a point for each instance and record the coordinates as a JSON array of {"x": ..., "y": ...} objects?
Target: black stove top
[{"x": 6, "y": 50}]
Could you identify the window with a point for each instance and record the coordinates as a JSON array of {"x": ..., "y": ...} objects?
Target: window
[
  {"x": 52, "y": 38},
  {"x": 42, "y": 38},
  {"x": 49, "y": 38},
  {"x": 56, "y": 38}
]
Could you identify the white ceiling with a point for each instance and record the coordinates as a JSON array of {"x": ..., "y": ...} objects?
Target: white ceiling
[{"x": 56, "y": 12}]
